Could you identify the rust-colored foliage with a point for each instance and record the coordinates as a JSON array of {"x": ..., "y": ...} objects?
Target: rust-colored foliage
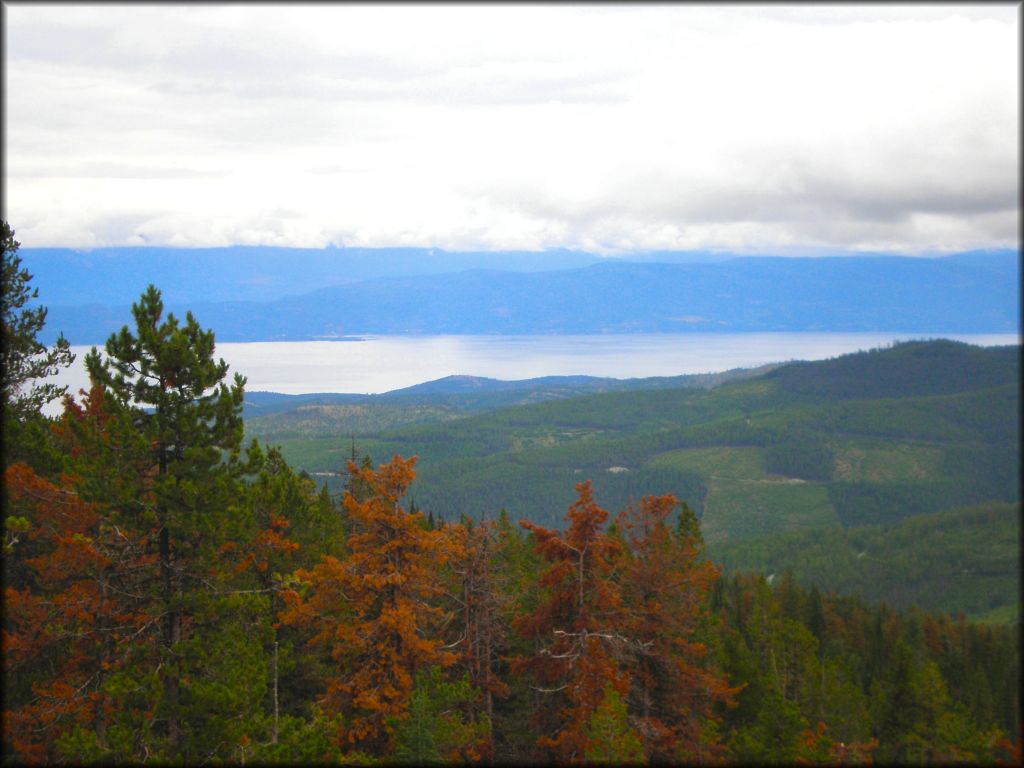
[
  {"x": 1014, "y": 753},
  {"x": 374, "y": 610},
  {"x": 579, "y": 624},
  {"x": 62, "y": 627},
  {"x": 665, "y": 593},
  {"x": 818, "y": 747},
  {"x": 270, "y": 545},
  {"x": 582, "y": 594}
]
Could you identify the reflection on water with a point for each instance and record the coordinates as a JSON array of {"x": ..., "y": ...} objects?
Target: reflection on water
[{"x": 383, "y": 363}]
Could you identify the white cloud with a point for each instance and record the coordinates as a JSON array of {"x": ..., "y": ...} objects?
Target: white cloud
[{"x": 607, "y": 127}]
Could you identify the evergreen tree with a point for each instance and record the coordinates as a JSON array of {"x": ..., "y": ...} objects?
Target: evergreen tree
[
  {"x": 478, "y": 632},
  {"x": 609, "y": 737},
  {"x": 516, "y": 564},
  {"x": 376, "y": 611},
  {"x": 70, "y": 625},
  {"x": 165, "y": 378},
  {"x": 665, "y": 584},
  {"x": 24, "y": 360},
  {"x": 579, "y": 624},
  {"x": 437, "y": 728}
]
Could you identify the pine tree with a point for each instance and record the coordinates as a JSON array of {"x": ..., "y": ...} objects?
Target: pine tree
[
  {"x": 24, "y": 360},
  {"x": 609, "y": 736},
  {"x": 666, "y": 587},
  {"x": 376, "y": 611},
  {"x": 480, "y": 631},
  {"x": 165, "y": 378},
  {"x": 515, "y": 565},
  {"x": 579, "y": 624},
  {"x": 437, "y": 728},
  {"x": 69, "y": 627}
]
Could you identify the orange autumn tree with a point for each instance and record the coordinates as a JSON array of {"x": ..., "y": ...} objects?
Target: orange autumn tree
[
  {"x": 77, "y": 620},
  {"x": 64, "y": 623},
  {"x": 376, "y": 610},
  {"x": 579, "y": 625},
  {"x": 666, "y": 585}
]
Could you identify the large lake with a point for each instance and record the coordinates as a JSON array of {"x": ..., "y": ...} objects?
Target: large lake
[{"x": 383, "y": 363}]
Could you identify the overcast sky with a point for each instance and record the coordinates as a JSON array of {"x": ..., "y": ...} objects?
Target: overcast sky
[{"x": 606, "y": 128}]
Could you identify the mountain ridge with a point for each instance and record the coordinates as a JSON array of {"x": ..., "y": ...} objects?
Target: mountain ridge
[{"x": 762, "y": 294}]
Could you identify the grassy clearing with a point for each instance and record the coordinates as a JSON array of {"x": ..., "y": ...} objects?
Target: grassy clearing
[
  {"x": 719, "y": 462},
  {"x": 547, "y": 438},
  {"x": 1004, "y": 614},
  {"x": 743, "y": 499},
  {"x": 859, "y": 462},
  {"x": 738, "y": 509}
]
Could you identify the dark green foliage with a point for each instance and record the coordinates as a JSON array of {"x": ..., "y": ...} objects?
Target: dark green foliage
[
  {"x": 914, "y": 368},
  {"x": 437, "y": 729},
  {"x": 962, "y": 559},
  {"x": 906, "y": 687},
  {"x": 877, "y": 503},
  {"x": 24, "y": 360},
  {"x": 169, "y": 368},
  {"x": 164, "y": 380},
  {"x": 800, "y": 453}
]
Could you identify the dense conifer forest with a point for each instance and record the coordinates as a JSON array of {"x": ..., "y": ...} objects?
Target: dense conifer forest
[{"x": 175, "y": 593}]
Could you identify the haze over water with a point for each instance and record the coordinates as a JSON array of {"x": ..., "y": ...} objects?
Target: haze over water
[{"x": 376, "y": 364}]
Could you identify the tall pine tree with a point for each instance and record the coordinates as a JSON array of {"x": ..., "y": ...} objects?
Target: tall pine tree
[{"x": 165, "y": 377}]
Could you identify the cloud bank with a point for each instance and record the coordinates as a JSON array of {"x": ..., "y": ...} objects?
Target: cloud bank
[{"x": 605, "y": 128}]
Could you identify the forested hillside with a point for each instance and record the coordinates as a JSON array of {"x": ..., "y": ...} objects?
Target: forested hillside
[
  {"x": 280, "y": 416},
  {"x": 861, "y": 440},
  {"x": 175, "y": 594},
  {"x": 956, "y": 560}
]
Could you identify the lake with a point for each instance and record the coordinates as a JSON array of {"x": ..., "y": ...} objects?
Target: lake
[{"x": 376, "y": 364}]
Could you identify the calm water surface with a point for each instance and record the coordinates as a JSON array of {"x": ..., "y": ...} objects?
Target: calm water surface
[{"x": 381, "y": 363}]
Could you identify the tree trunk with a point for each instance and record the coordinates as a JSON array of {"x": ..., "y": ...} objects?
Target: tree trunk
[
  {"x": 172, "y": 627},
  {"x": 273, "y": 737}
]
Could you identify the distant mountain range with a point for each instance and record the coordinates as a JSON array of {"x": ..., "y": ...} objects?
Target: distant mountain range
[
  {"x": 117, "y": 276},
  {"x": 265, "y": 294}
]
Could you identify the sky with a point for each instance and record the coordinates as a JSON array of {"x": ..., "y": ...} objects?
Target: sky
[{"x": 607, "y": 128}]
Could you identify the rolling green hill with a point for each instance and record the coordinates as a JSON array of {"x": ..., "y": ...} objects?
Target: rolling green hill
[{"x": 274, "y": 416}]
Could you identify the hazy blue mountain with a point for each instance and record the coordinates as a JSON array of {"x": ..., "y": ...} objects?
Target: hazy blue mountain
[
  {"x": 114, "y": 276},
  {"x": 251, "y": 273},
  {"x": 108, "y": 276},
  {"x": 974, "y": 293}
]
